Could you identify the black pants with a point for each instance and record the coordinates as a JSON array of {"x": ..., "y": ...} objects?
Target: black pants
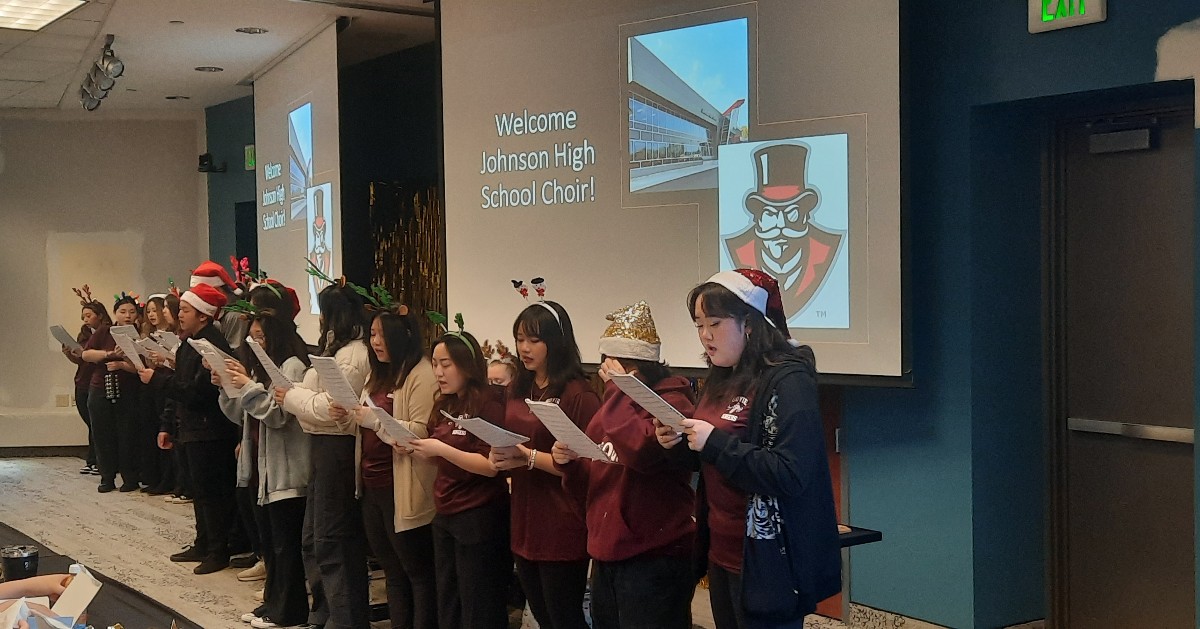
[
  {"x": 214, "y": 476},
  {"x": 725, "y": 596},
  {"x": 407, "y": 560},
  {"x": 335, "y": 555},
  {"x": 286, "y": 602},
  {"x": 183, "y": 472},
  {"x": 642, "y": 593},
  {"x": 554, "y": 590},
  {"x": 150, "y": 408},
  {"x": 244, "y": 536},
  {"x": 114, "y": 429},
  {"x": 473, "y": 565},
  {"x": 81, "y": 405}
]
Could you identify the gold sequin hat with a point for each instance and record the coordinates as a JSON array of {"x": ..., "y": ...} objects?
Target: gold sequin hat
[{"x": 631, "y": 334}]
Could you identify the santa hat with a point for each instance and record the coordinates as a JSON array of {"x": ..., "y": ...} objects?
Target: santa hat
[
  {"x": 758, "y": 290},
  {"x": 205, "y": 298},
  {"x": 631, "y": 334},
  {"x": 280, "y": 289},
  {"x": 213, "y": 274}
]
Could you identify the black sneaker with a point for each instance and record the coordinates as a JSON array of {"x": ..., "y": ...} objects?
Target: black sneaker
[
  {"x": 86, "y": 469},
  {"x": 95, "y": 471},
  {"x": 128, "y": 487},
  {"x": 188, "y": 555},
  {"x": 211, "y": 564},
  {"x": 104, "y": 488}
]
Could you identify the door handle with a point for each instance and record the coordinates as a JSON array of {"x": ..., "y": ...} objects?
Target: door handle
[{"x": 1133, "y": 431}]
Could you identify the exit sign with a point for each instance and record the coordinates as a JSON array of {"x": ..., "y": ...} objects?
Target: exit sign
[{"x": 1051, "y": 15}]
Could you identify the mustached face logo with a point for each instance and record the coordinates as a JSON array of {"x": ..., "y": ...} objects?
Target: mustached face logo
[
  {"x": 734, "y": 410},
  {"x": 782, "y": 239}
]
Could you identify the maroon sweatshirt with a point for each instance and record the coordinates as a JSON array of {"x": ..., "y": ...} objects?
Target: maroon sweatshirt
[
  {"x": 456, "y": 490},
  {"x": 726, "y": 503},
  {"x": 547, "y": 523},
  {"x": 103, "y": 339},
  {"x": 642, "y": 504}
]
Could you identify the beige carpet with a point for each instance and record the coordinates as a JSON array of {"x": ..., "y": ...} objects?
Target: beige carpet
[{"x": 125, "y": 536}]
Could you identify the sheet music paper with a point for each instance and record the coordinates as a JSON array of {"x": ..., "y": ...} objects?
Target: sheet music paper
[
  {"x": 168, "y": 340},
  {"x": 216, "y": 364},
  {"x": 334, "y": 381},
  {"x": 648, "y": 399},
  {"x": 566, "y": 431},
  {"x": 394, "y": 429},
  {"x": 127, "y": 330},
  {"x": 152, "y": 346},
  {"x": 490, "y": 433},
  {"x": 62, "y": 336},
  {"x": 129, "y": 345},
  {"x": 277, "y": 378}
]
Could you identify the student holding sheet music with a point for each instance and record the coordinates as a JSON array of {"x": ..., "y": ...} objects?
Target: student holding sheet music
[
  {"x": 549, "y": 537},
  {"x": 334, "y": 550},
  {"x": 470, "y": 530},
  {"x": 275, "y": 460},
  {"x": 154, "y": 462},
  {"x": 94, "y": 315},
  {"x": 204, "y": 434},
  {"x": 639, "y": 510},
  {"x": 113, "y": 402},
  {"x": 397, "y": 488},
  {"x": 774, "y": 542}
]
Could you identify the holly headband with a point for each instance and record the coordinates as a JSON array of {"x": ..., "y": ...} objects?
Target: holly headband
[
  {"x": 439, "y": 320},
  {"x": 377, "y": 297}
]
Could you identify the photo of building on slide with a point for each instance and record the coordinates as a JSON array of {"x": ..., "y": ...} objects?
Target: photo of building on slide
[
  {"x": 688, "y": 94},
  {"x": 300, "y": 160}
]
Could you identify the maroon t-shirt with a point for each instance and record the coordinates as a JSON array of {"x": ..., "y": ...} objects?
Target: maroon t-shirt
[
  {"x": 547, "y": 523},
  {"x": 642, "y": 505},
  {"x": 103, "y": 339},
  {"x": 726, "y": 503},
  {"x": 456, "y": 490},
  {"x": 83, "y": 369},
  {"x": 376, "y": 460}
]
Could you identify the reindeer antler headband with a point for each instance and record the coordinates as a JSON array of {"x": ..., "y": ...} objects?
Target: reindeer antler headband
[{"x": 85, "y": 295}]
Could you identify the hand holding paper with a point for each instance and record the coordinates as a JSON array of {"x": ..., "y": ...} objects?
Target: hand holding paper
[
  {"x": 215, "y": 362},
  {"x": 128, "y": 345},
  {"x": 564, "y": 430},
  {"x": 648, "y": 399},
  {"x": 62, "y": 336},
  {"x": 391, "y": 427},
  {"x": 278, "y": 380},
  {"x": 334, "y": 381}
]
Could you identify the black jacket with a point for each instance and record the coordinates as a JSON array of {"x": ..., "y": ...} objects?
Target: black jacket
[
  {"x": 193, "y": 397},
  {"x": 795, "y": 472}
]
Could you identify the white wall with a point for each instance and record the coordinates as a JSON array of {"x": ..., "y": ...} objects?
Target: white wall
[{"x": 111, "y": 201}]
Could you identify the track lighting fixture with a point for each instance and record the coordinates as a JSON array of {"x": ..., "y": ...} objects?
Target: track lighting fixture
[{"x": 102, "y": 77}]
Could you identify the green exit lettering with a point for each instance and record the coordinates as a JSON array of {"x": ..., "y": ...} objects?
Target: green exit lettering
[{"x": 1062, "y": 8}]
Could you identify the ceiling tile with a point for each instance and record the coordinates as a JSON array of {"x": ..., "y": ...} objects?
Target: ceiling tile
[
  {"x": 34, "y": 53},
  {"x": 51, "y": 40},
  {"x": 70, "y": 26},
  {"x": 12, "y": 88}
]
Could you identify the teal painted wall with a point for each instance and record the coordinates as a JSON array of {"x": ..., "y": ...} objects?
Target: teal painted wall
[
  {"x": 229, "y": 128},
  {"x": 953, "y": 470}
]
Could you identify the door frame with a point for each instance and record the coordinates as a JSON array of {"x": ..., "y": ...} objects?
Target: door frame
[{"x": 1127, "y": 105}]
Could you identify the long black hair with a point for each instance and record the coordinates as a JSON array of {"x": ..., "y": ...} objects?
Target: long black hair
[
  {"x": 563, "y": 363},
  {"x": 343, "y": 319},
  {"x": 405, "y": 345},
  {"x": 651, "y": 372},
  {"x": 765, "y": 346},
  {"x": 283, "y": 342}
]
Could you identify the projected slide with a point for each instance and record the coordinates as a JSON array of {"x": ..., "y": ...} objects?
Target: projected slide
[
  {"x": 296, "y": 139},
  {"x": 687, "y": 90},
  {"x": 784, "y": 209},
  {"x": 627, "y": 150}
]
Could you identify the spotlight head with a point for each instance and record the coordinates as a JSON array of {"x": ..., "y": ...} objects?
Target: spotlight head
[
  {"x": 94, "y": 89},
  {"x": 89, "y": 102},
  {"x": 110, "y": 65},
  {"x": 100, "y": 80}
]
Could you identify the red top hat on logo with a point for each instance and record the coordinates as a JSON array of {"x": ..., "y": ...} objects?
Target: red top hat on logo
[{"x": 780, "y": 170}]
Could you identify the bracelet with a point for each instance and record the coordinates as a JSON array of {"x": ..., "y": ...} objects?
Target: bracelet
[{"x": 532, "y": 460}]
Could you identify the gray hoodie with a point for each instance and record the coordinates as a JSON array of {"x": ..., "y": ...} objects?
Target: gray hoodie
[{"x": 283, "y": 446}]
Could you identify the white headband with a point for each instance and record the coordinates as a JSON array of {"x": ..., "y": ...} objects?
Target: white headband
[{"x": 552, "y": 311}]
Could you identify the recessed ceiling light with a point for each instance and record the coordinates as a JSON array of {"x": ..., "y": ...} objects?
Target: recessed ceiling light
[
  {"x": 251, "y": 30},
  {"x": 131, "y": 89},
  {"x": 34, "y": 16},
  {"x": 175, "y": 22},
  {"x": 178, "y": 97},
  {"x": 209, "y": 69}
]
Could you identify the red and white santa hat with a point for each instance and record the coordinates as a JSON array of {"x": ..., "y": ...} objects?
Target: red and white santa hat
[
  {"x": 207, "y": 299},
  {"x": 758, "y": 290},
  {"x": 213, "y": 274}
]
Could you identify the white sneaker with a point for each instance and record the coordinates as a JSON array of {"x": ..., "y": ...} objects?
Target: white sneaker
[
  {"x": 258, "y": 594},
  {"x": 257, "y": 572},
  {"x": 248, "y": 617},
  {"x": 263, "y": 623}
]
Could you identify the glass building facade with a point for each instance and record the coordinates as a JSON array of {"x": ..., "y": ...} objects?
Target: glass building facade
[{"x": 659, "y": 135}]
